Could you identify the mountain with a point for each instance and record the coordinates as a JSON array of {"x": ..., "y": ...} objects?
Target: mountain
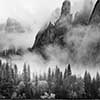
[
  {"x": 55, "y": 15},
  {"x": 13, "y": 26},
  {"x": 90, "y": 14},
  {"x": 54, "y": 33}
]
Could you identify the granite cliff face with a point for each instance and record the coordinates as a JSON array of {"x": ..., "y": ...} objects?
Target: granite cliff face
[
  {"x": 95, "y": 15},
  {"x": 54, "y": 34},
  {"x": 55, "y": 15}
]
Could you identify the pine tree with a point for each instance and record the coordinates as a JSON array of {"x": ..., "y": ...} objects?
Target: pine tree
[
  {"x": 87, "y": 81},
  {"x": 65, "y": 73},
  {"x": 49, "y": 74},
  {"x": 29, "y": 76},
  {"x": 98, "y": 84},
  {"x": 7, "y": 72},
  {"x": 25, "y": 74},
  {"x": 3, "y": 76},
  {"x": 98, "y": 80},
  {"x": 12, "y": 72},
  {"x": 36, "y": 81},
  {"x": 58, "y": 83},
  {"x": 57, "y": 71},
  {"x": 15, "y": 73},
  {"x": 53, "y": 75},
  {"x": 44, "y": 76},
  {"x": 94, "y": 91},
  {"x": 49, "y": 79},
  {"x": 69, "y": 70}
]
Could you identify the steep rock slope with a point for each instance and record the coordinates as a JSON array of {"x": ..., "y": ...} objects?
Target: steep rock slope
[
  {"x": 54, "y": 34},
  {"x": 95, "y": 15}
]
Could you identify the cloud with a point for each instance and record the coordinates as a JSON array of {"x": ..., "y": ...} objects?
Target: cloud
[
  {"x": 82, "y": 47},
  {"x": 81, "y": 40}
]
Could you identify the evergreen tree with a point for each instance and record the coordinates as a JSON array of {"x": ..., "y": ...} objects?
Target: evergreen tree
[
  {"x": 25, "y": 74},
  {"x": 53, "y": 75},
  {"x": 87, "y": 81},
  {"x": 15, "y": 73},
  {"x": 44, "y": 76},
  {"x": 98, "y": 84},
  {"x": 57, "y": 71},
  {"x": 36, "y": 81},
  {"x": 29, "y": 76},
  {"x": 98, "y": 80},
  {"x": 7, "y": 72},
  {"x": 3, "y": 76},
  {"x": 49, "y": 79},
  {"x": 40, "y": 77},
  {"x": 36, "y": 88},
  {"x": 58, "y": 83},
  {"x": 12, "y": 72},
  {"x": 65, "y": 73},
  {"x": 94, "y": 91},
  {"x": 69, "y": 70},
  {"x": 49, "y": 74}
]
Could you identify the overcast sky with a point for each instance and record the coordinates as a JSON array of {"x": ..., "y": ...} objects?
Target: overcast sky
[{"x": 28, "y": 10}]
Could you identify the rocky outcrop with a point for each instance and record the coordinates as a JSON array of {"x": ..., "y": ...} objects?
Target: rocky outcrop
[
  {"x": 66, "y": 7},
  {"x": 55, "y": 15},
  {"x": 95, "y": 15},
  {"x": 54, "y": 33},
  {"x": 51, "y": 35},
  {"x": 79, "y": 33},
  {"x": 66, "y": 18},
  {"x": 90, "y": 14}
]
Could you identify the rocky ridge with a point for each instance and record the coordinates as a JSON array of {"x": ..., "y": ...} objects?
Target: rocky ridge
[{"x": 54, "y": 33}]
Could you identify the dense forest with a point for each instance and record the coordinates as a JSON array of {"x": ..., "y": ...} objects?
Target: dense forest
[{"x": 52, "y": 84}]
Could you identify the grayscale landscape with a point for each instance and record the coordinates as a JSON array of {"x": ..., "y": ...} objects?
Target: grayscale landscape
[{"x": 50, "y": 49}]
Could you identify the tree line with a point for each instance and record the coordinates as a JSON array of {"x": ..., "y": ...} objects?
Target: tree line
[{"x": 53, "y": 84}]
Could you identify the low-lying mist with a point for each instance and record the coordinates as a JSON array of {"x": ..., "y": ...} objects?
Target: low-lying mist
[
  {"x": 82, "y": 49},
  {"x": 84, "y": 44}
]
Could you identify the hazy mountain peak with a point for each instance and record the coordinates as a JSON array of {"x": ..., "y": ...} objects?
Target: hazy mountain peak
[
  {"x": 14, "y": 26},
  {"x": 66, "y": 8},
  {"x": 55, "y": 15}
]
